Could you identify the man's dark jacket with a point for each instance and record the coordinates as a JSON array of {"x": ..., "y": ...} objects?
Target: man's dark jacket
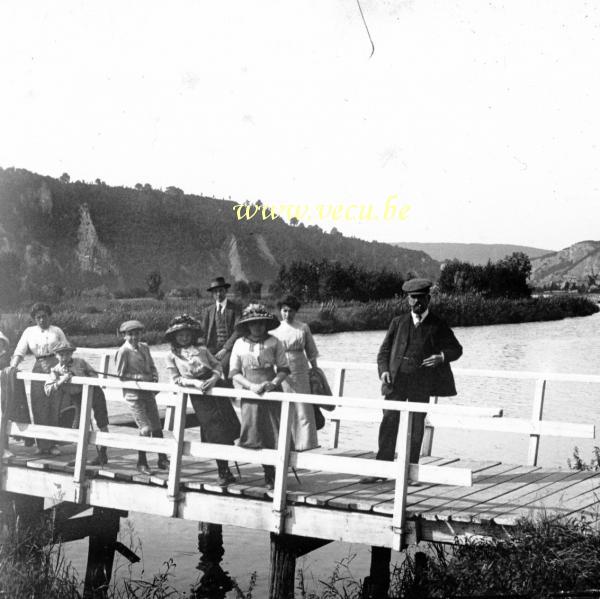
[
  {"x": 438, "y": 338},
  {"x": 209, "y": 325}
]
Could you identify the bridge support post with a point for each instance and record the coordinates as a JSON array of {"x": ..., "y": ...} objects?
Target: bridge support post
[
  {"x": 101, "y": 552},
  {"x": 285, "y": 549}
]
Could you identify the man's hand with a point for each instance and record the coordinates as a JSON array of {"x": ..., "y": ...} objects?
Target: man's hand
[
  {"x": 433, "y": 360},
  {"x": 386, "y": 378},
  {"x": 221, "y": 354}
]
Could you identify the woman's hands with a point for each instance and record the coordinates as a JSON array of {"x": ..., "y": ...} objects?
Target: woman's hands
[
  {"x": 209, "y": 383},
  {"x": 260, "y": 388}
]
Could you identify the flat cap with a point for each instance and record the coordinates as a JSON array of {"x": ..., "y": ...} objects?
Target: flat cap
[
  {"x": 64, "y": 346},
  {"x": 417, "y": 286},
  {"x": 131, "y": 325}
]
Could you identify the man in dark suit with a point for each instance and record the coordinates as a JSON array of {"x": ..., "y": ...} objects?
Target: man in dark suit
[
  {"x": 218, "y": 323},
  {"x": 414, "y": 364}
]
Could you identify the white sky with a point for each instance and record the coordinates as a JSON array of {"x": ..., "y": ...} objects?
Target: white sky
[{"x": 483, "y": 116}]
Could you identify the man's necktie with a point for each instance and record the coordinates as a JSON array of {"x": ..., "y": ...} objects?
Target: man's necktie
[{"x": 417, "y": 320}]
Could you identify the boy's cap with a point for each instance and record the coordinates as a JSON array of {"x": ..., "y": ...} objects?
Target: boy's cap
[
  {"x": 131, "y": 325},
  {"x": 62, "y": 347}
]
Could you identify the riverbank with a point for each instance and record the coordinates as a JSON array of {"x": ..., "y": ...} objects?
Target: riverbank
[{"x": 95, "y": 324}]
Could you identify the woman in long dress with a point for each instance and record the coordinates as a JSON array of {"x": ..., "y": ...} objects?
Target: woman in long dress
[
  {"x": 258, "y": 363},
  {"x": 301, "y": 352},
  {"x": 40, "y": 340},
  {"x": 190, "y": 364}
]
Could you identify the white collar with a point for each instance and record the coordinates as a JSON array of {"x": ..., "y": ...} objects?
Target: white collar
[
  {"x": 223, "y": 304},
  {"x": 415, "y": 319}
]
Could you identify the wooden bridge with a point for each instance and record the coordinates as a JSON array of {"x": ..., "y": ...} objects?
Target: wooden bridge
[{"x": 436, "y": 500}]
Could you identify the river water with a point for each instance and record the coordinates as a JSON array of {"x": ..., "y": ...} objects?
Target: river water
[{"x": 566, "y": 346}]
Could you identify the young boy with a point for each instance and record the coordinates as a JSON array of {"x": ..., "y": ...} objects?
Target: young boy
[
  {"x": 134, "y": 363},
  {"x": 66, "y": 397}
]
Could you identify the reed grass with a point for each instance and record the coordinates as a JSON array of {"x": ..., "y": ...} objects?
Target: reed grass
[{"x": 95, "y": 324}]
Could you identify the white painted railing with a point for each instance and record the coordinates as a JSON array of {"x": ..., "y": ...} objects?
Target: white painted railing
[
  {"x": 175, "y": 446},
  {"x": 534, "y": 427}
]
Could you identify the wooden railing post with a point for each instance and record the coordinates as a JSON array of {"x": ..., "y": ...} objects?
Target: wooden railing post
[
  {"x": 4, "y": 424},
  {"x": 104, "y": 365},
  {"x": 175, "y": 457},
  {"x": 284, "y": 443},
  {"x": 428, "y": 433},
  {"x": 403, "y": 443},
  {"x": 83, "y": 436},
  {"x": 334, "y": 423},
  {"x": 536, "y": 415}
]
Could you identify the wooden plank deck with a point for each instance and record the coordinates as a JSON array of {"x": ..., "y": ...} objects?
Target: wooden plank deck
[{"x": 499, "y": 496}]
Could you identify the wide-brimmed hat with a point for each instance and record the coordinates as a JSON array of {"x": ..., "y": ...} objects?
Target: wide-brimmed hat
[
  {"x": 256, "y": 313},
  {"x": 62, "y": 347},
  {"x": 131, "y": 325},
  {"x": 417, "y": 286},
  {"x": 183, "y": 322},
  {"x": 289, "y": 300},
  {"x": 40, "y": 307},
  {"x": 218, "y": 282}
]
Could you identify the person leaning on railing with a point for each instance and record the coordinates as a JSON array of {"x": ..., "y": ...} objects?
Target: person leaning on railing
[
  {"x": 190, "y": 364},
  {"x": 258, "y": 363},
  {"x": 65, "y": 398},
  {"x": 39, "y": 341}
]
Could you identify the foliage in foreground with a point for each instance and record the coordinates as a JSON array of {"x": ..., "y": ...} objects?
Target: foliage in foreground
[{"x": 540, "y": 559}]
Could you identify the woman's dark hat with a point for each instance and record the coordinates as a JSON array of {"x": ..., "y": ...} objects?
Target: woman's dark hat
[
  {"x": 183, "y": 322},
  {"x": 131, "y": 325},
  {"x": 40, "y": 307},
  {"x": 417, "y": 286},
  {"x": 256, "y": 313},
  {"x": 217, "y": 283},
  {"x": 289, "y": 300}
]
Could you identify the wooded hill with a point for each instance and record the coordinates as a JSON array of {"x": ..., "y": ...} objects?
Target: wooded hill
[
  {"x": 475, "y": 253},
  {"x": 80, "y": 235}
]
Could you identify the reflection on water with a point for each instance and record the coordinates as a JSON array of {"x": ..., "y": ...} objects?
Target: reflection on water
[{"x": 570, "y": 346}]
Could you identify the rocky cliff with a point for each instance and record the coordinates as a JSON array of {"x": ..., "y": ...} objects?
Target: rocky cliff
[
  {"x": 578, "y": 263},
  {"x": 81, "y": 235}
]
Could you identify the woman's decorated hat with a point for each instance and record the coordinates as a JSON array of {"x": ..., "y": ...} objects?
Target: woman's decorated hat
[
  {"x": 183, "y": 322},
  {"x": 256, "y": 313}
]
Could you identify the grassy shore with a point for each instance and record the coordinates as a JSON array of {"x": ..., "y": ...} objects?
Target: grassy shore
[
  {"x": 538, "y": 560},
  {"x": 95, "y": 324}
]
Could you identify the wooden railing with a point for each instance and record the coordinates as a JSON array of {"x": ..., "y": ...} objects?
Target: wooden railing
[
  {"x": 176, "y": 446},
  {"x": 535, "y": 427}
]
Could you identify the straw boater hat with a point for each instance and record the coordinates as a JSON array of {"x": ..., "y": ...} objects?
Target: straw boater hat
[
  {"x": 256, "y": 313},
  {"x": 65, "y": 346},
  {"x": 218, "y": 282},
  {"x": 184, "y": 322},
  {"x": 131, "y": 325}
]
